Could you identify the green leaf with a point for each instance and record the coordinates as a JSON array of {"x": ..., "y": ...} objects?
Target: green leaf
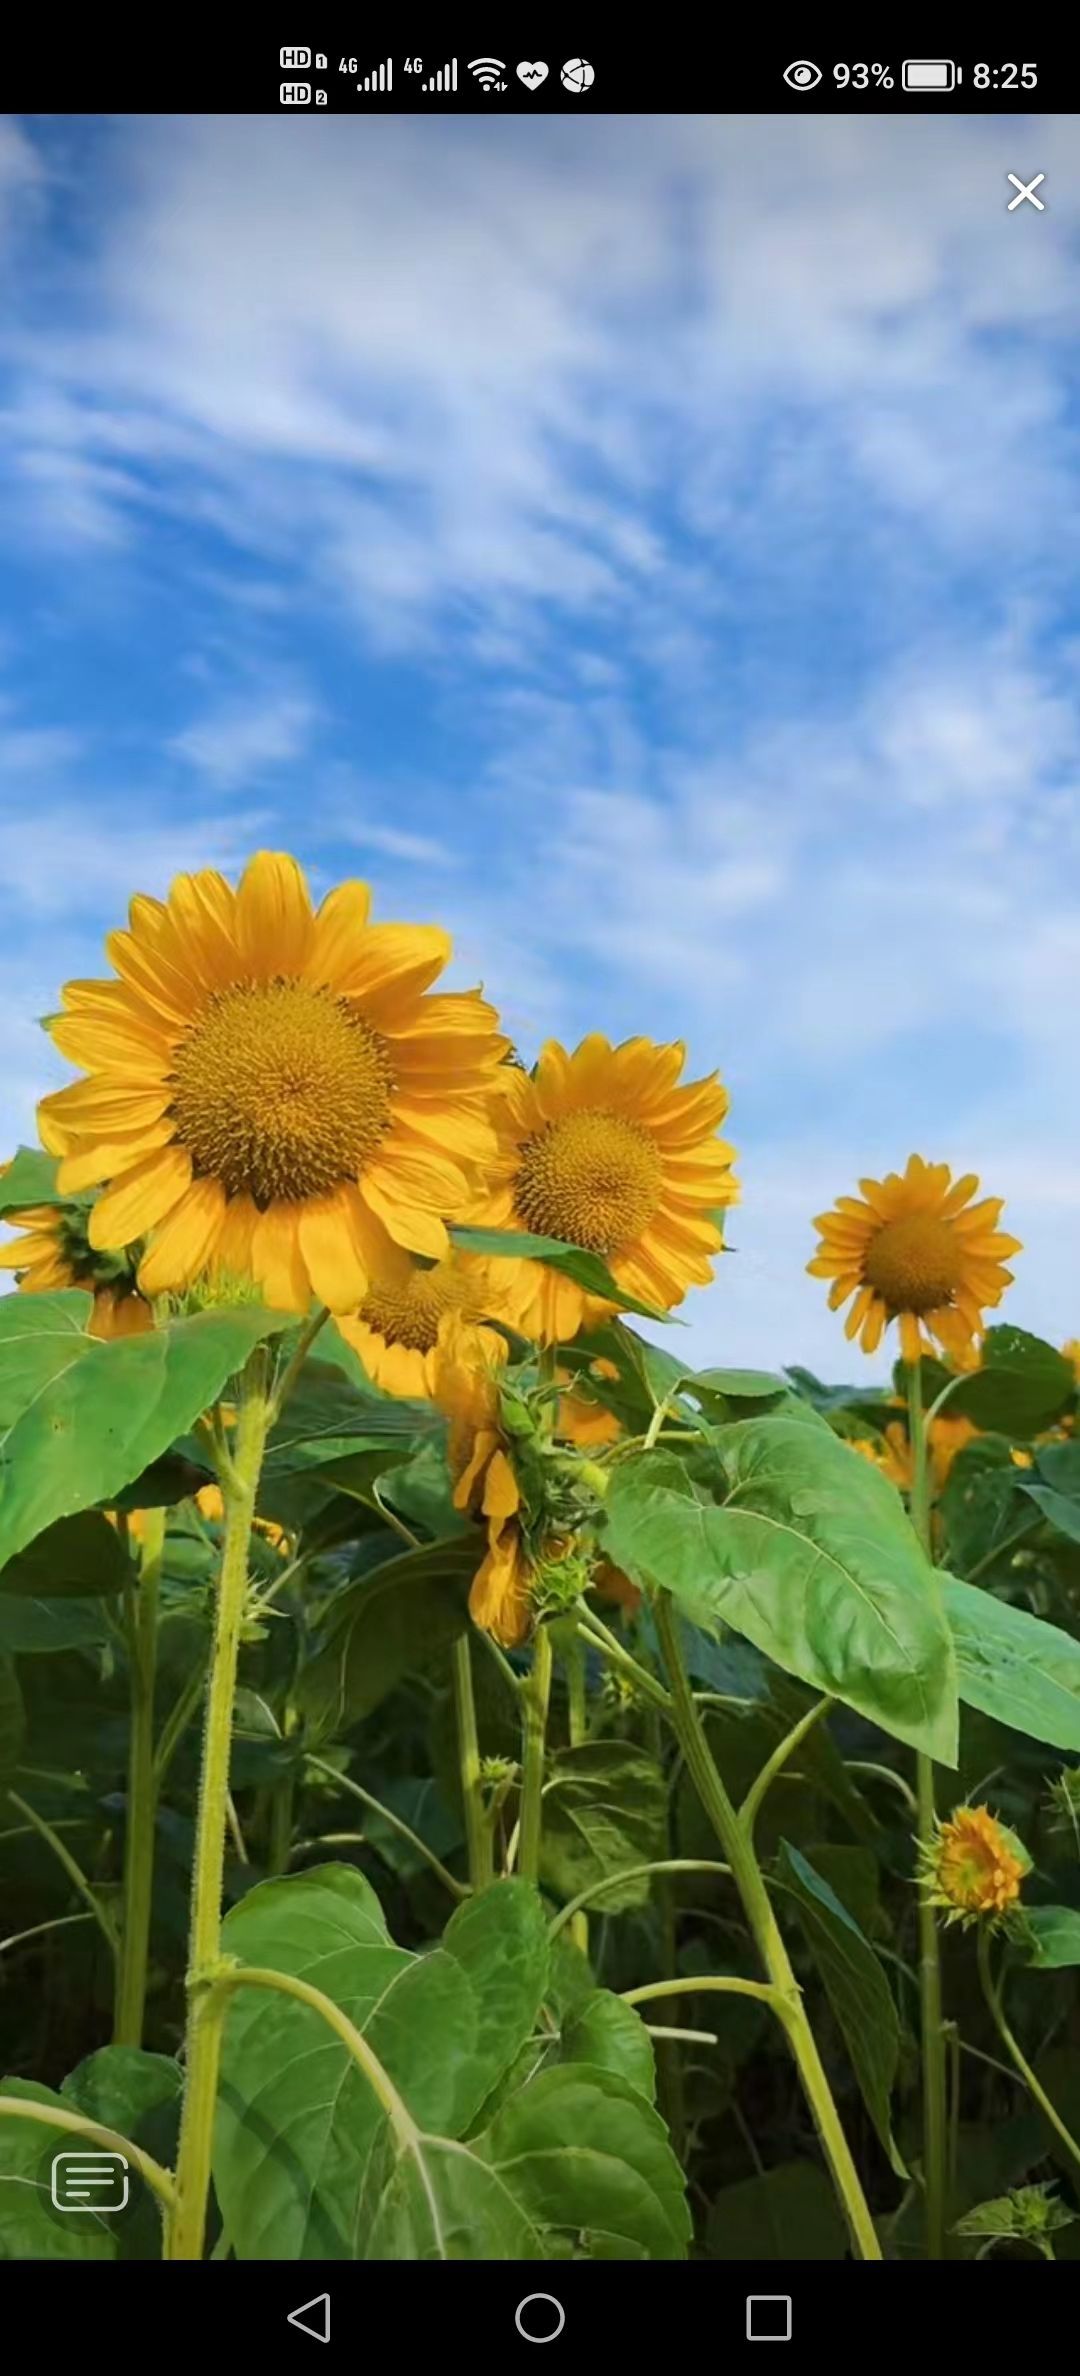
[
  {"x": 298, "y": 2122},
  {"x": 980, "y": 1504},
  {"x": 81, "y": 1557},
  {"x": 30, "y": 1179},
  {"x": 610, "y": 2036},
  {"x": 79, "y": 1418},
  {"x": 122, "y": 2085},
  {"x": 1021, "y": 1385},
  {"x": 1053, "y": 1933},
  {"x": 387, "y": 1625},
  {"x": 740, "y": 1385},
  {"x": 1057, "y": 1508},
  {"x": 1015, "y": 1667},
  {"x": 856, "y": 1988},
  {"x": 605, "y": 1808},
  {"x": 786, "y": 2214},
  {"x": 581, "y": 2151},
  {"x": 585, "y": 1269},
  {"x": 12, "y": 1717},
  {"x": 1029, "y": 2214},
  {"x": 805, "y": 1549},
  {"x": 29, "y": 2228},
  {"x": 30, "y": 1626},
  {"x": 329, "y": 1419}
]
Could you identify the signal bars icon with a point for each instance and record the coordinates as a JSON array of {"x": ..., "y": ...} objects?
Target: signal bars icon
[
  {"x": 381, "y": 77},
  {"x": 489, "y": 73},
  {"x": 444, "y": 80}
]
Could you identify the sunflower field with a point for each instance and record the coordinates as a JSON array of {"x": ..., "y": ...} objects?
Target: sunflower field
[{"x": 471, "y": 1787}]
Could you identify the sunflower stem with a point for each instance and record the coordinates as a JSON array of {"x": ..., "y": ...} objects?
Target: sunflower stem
[
  {"x": 578, "y": 1725},
  {"x": 783, "y": 1991},
  {"x": 535, "y": 1703},
  {"x": 477, "y": 1822},
  {"x": 141, "y": 1610},
  {"x": 205, "y": 2009},
  {"x": 992, "y": 1992},
  {"x": 934, "y": 2061}
]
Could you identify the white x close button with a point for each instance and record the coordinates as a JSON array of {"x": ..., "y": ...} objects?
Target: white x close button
[{"x": 1026, "y": 190}]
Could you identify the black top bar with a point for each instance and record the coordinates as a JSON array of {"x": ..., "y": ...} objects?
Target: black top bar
[{"x": 360, "y": 64}]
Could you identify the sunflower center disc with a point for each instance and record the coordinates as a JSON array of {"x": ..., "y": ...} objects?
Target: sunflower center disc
[
  {"x": 591, "y": 1178},
  {"x": 914, "y": 1263},
  {"x": 280, "y": 1090},
  {"x": 408, "y": 1313}
]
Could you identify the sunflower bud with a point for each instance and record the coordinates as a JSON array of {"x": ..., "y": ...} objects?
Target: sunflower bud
[{"x": 974, "y": 1867}]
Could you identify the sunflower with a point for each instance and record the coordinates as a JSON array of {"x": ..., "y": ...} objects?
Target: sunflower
[
  {"x": 892, "y": 1452},
  {"x": 467, "y": 1390},
  {"x": 604, "y": 1149},
  {"x": 264, "y": 1083},
  {"x": 915, "y": 1248},
  {"x": 53, "y": 1253},
  {"x": 974, "y": 1866},
  {"x": 408, "y": 1311}
]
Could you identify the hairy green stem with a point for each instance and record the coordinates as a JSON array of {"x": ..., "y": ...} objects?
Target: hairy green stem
[
  {"x": 609, "y": 1881},
  {"x": 746, "y": 1872},
  {"x": 934, "y": 2062},
  {"x": 227, "y": 1980},
  {"x": 477, "y": 1821},
  {"x": 578, "y": 1725},
  {"x": 203, "y": 2038},
  {"x": 992, "y": 1992},
  {"x": 141, "y": 1610},
  {"x": 535, "y": 1707},
  {"x": 775, "y": 1764}
]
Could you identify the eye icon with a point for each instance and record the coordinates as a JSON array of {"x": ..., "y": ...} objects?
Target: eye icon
[{"x": 802, "y": 76}]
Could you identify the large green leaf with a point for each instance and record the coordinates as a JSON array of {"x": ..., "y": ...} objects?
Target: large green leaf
[
  {"x": 1053, "y": 1933},
  {"x": 386, "y": 1626},
  {"x": 576, "y": 2158},
  {"x": 805, "y": 1549},
  {"x": 12, "y": 1717},
  {"x": 605, "y": 1809},
  {"x": 1014, "y": 1666},
  {"x": 585, "y": 1269},
  {"x": 42, "y": 1625},
  {"x": 787, "y": 2214},
  {"x": 610, "y": 2035},
  {"x": 856, "y": 1988},
  {"x": 298, "y": 2123},
  {"x": 79, "y": 1418},
  {"x": 30, "y": 2230},
  {"x": 1022, "y": 1384},
  {"x": 30, "y": 1179},
  {"x": 980, "y": 1504},
  {"x": 81, "y": 1557}
]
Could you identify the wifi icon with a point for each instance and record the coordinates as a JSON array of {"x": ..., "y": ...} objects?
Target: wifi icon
[{"x": 489, "y": 72}]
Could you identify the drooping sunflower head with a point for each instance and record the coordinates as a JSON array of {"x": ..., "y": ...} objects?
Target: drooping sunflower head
[
  {"x": 53, "y": 1251},
  {"x": 915, "y": 1248},
  {"x": 485, "y": 1485},
  {"x": 605, "y": 1149},
  {"x": 265, "y": 1084},
  {"x": 974, "y": 1867},
  {"x": 412, "y": 1307}
]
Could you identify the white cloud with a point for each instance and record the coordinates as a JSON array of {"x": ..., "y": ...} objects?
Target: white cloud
[{"x": 233, "y": 743}]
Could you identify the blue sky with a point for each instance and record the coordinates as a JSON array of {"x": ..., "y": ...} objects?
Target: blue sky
[{"x": 647, "y": 546}]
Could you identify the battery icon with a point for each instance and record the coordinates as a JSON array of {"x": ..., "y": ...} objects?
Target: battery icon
[{"x": 930, "y": 74}]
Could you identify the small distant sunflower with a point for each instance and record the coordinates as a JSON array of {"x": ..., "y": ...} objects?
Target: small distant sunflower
[
  {"x": 467, "y": 1390},
  {"x": 891, "y": 1452},
  {"x": 265, "y": 1082},
  {"x": 54, "y": 1254},
  {"x": 914, "y": 1248},
  {"x": 408, "y": 1311},
  {"x": 210, "y": 1503},
  {"x": 605, "y": 1149},
  {"x": 974, "y": 1866},
  {"x": 610, "y": 1584},
  {"x": 1071, "y": 1350}
]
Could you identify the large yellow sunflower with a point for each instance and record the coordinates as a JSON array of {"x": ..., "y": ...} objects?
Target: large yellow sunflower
[
  {"x": 914, "y": 1248},
  {"x": 604, "y": 1149},
  {"x": 265, "y": 1083},
  {"x": 410, "y": 1308},
  {"x": 52, "y": 1254}
]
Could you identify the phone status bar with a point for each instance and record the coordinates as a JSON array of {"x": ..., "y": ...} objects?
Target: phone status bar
[{"x": 492, "y": 73}]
